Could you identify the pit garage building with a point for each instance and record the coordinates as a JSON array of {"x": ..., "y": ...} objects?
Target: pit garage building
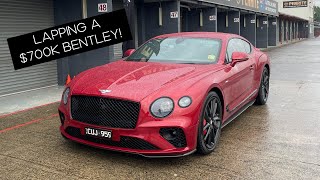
[
  {"x": 256, "y": 20},
  {"x": 295, "y": 20}
]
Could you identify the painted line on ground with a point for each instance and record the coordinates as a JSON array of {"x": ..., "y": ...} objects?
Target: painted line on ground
[
  {"x": 24, "y": 110},
  {"x": 28, "y": 123}
]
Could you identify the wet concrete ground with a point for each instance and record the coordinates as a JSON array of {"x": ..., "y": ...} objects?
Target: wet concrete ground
[{"x": 278, "y": 141}]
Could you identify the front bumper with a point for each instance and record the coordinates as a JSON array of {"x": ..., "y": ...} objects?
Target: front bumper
[{"x": 144, "y": 140}]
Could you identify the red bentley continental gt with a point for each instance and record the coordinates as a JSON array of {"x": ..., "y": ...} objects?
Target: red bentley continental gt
[{"x": 170, "y": 97}]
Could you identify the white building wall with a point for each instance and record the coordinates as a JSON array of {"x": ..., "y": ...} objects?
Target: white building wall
[{"x": 305, "y": 13}]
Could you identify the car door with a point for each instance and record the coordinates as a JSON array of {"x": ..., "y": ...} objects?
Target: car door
[
  {"x": 252, "y": 65},
  {"x": 239, "y": 81}
]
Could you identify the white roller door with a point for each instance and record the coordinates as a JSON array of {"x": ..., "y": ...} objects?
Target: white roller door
[{"x": 19, "y": 17}]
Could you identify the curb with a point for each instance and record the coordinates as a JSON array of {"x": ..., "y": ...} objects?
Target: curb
[
  {"x": 283, "y": 45},
  {"x": 28, "y": 109}
]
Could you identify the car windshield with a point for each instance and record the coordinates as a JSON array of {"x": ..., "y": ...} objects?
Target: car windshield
[{"x": 181, "y": 50}]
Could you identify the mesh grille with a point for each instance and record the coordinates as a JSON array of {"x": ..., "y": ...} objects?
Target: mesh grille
[
  {"x": 125, "y": 142},
  {"x": 105, "y": 112},
  {"x": 175, "y": 136}
]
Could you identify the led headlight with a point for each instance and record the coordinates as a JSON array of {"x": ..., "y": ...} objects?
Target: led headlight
[
  {"x": 185, "y": 101},
  {"x": 65, "y": 96},
  {"x": 162, "y": 107}
]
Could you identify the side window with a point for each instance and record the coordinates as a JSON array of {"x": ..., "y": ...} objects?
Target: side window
[
  {"x": 247, "y": 46},
  {"x": 234, "y": 45},
  {"x": 230, "y": 49},
  {"x": 240, "y": 47}
]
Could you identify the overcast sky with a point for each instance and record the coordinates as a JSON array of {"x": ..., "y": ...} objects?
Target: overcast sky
[{"x": 317, "y": 2}]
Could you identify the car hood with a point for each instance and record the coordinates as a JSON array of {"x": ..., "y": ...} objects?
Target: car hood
[{"x": 132, "y": 80}]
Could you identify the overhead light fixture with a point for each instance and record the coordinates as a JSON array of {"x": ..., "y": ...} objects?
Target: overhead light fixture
[
  {"x": 227, "y": 20},
  {"x": 244, "y": 21},
  {"x": 84, "y": 9},
  {"x": 201, "y": 18},
  {"x": 160, "y": 15}
]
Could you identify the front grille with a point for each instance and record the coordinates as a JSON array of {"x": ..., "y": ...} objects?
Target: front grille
[
  {"x": 125, "y": 141},
  {"x": 105, "y": 111},
  {"x": 175, "y": 136}
]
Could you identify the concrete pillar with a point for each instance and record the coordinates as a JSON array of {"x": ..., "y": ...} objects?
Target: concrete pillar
[
  {"x": 148, "y": 17},
  {"x": 280, "y": 30},
  {"x": 262, "y": 32},
  {"x": 297, "y": 30},
  {"x": 291, "y": 31},
  {"x": 248, "y": 27},
  {"x": 283, "y": 31},
  {"x": 272, "y": 31}
]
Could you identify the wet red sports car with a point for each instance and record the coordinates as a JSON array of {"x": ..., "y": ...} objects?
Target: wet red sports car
[{"x": 170, "y": 97}]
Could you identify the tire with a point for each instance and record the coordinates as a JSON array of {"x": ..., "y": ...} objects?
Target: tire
[
  {"x": 263, "y": 94},
  {"x": 210, "y": 122}
]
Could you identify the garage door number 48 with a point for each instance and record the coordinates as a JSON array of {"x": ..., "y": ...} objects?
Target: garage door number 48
[{"x": 103, "y": 7}]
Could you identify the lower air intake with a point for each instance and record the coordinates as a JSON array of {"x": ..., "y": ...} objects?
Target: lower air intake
[
  {"x": 175, "y": 136},
  {"x": 125, "y": 141}
]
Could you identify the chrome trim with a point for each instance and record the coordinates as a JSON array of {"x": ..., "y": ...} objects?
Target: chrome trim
[{"x": 244, "y": 100}]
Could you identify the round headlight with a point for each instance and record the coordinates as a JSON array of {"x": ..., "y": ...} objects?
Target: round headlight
[
  {"x": 184, "y": 101},
  {"x": 66, "y": 95},
  {"x": 162, "y": 107}
]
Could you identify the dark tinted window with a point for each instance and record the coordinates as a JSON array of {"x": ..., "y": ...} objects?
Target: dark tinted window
[{"x": 234, "y": 45}]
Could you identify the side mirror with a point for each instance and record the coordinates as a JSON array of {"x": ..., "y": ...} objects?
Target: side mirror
[
  {"x": 128, "y": 52},
  {"x": 238, "y": 57}
]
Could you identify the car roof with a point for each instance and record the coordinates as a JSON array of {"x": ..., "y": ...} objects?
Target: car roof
[{"x": 214, "y": 35}]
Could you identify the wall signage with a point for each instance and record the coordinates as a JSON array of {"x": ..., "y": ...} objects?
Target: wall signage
[
  {"x": 236, "y": 20},
  {"x": 174, "y": 14},
  {"x": 295, "y": 4},
  {"x": 212, "y": 18},
  {"x": 102, "y": 7},
  {"x": 253, "y": 21},
  {"x": 263, "y": 6}
]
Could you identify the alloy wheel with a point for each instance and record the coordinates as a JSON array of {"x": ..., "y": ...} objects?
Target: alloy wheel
[{"x": 211, "y": 123}]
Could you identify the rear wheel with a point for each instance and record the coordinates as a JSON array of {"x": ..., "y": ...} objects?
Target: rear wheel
[
  {"x": 209, "y": 129},
  {"x": 264, "y": 88}
]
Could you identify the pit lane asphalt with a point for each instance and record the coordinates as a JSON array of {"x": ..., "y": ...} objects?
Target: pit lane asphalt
[{"x": 278, "y": 141}]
